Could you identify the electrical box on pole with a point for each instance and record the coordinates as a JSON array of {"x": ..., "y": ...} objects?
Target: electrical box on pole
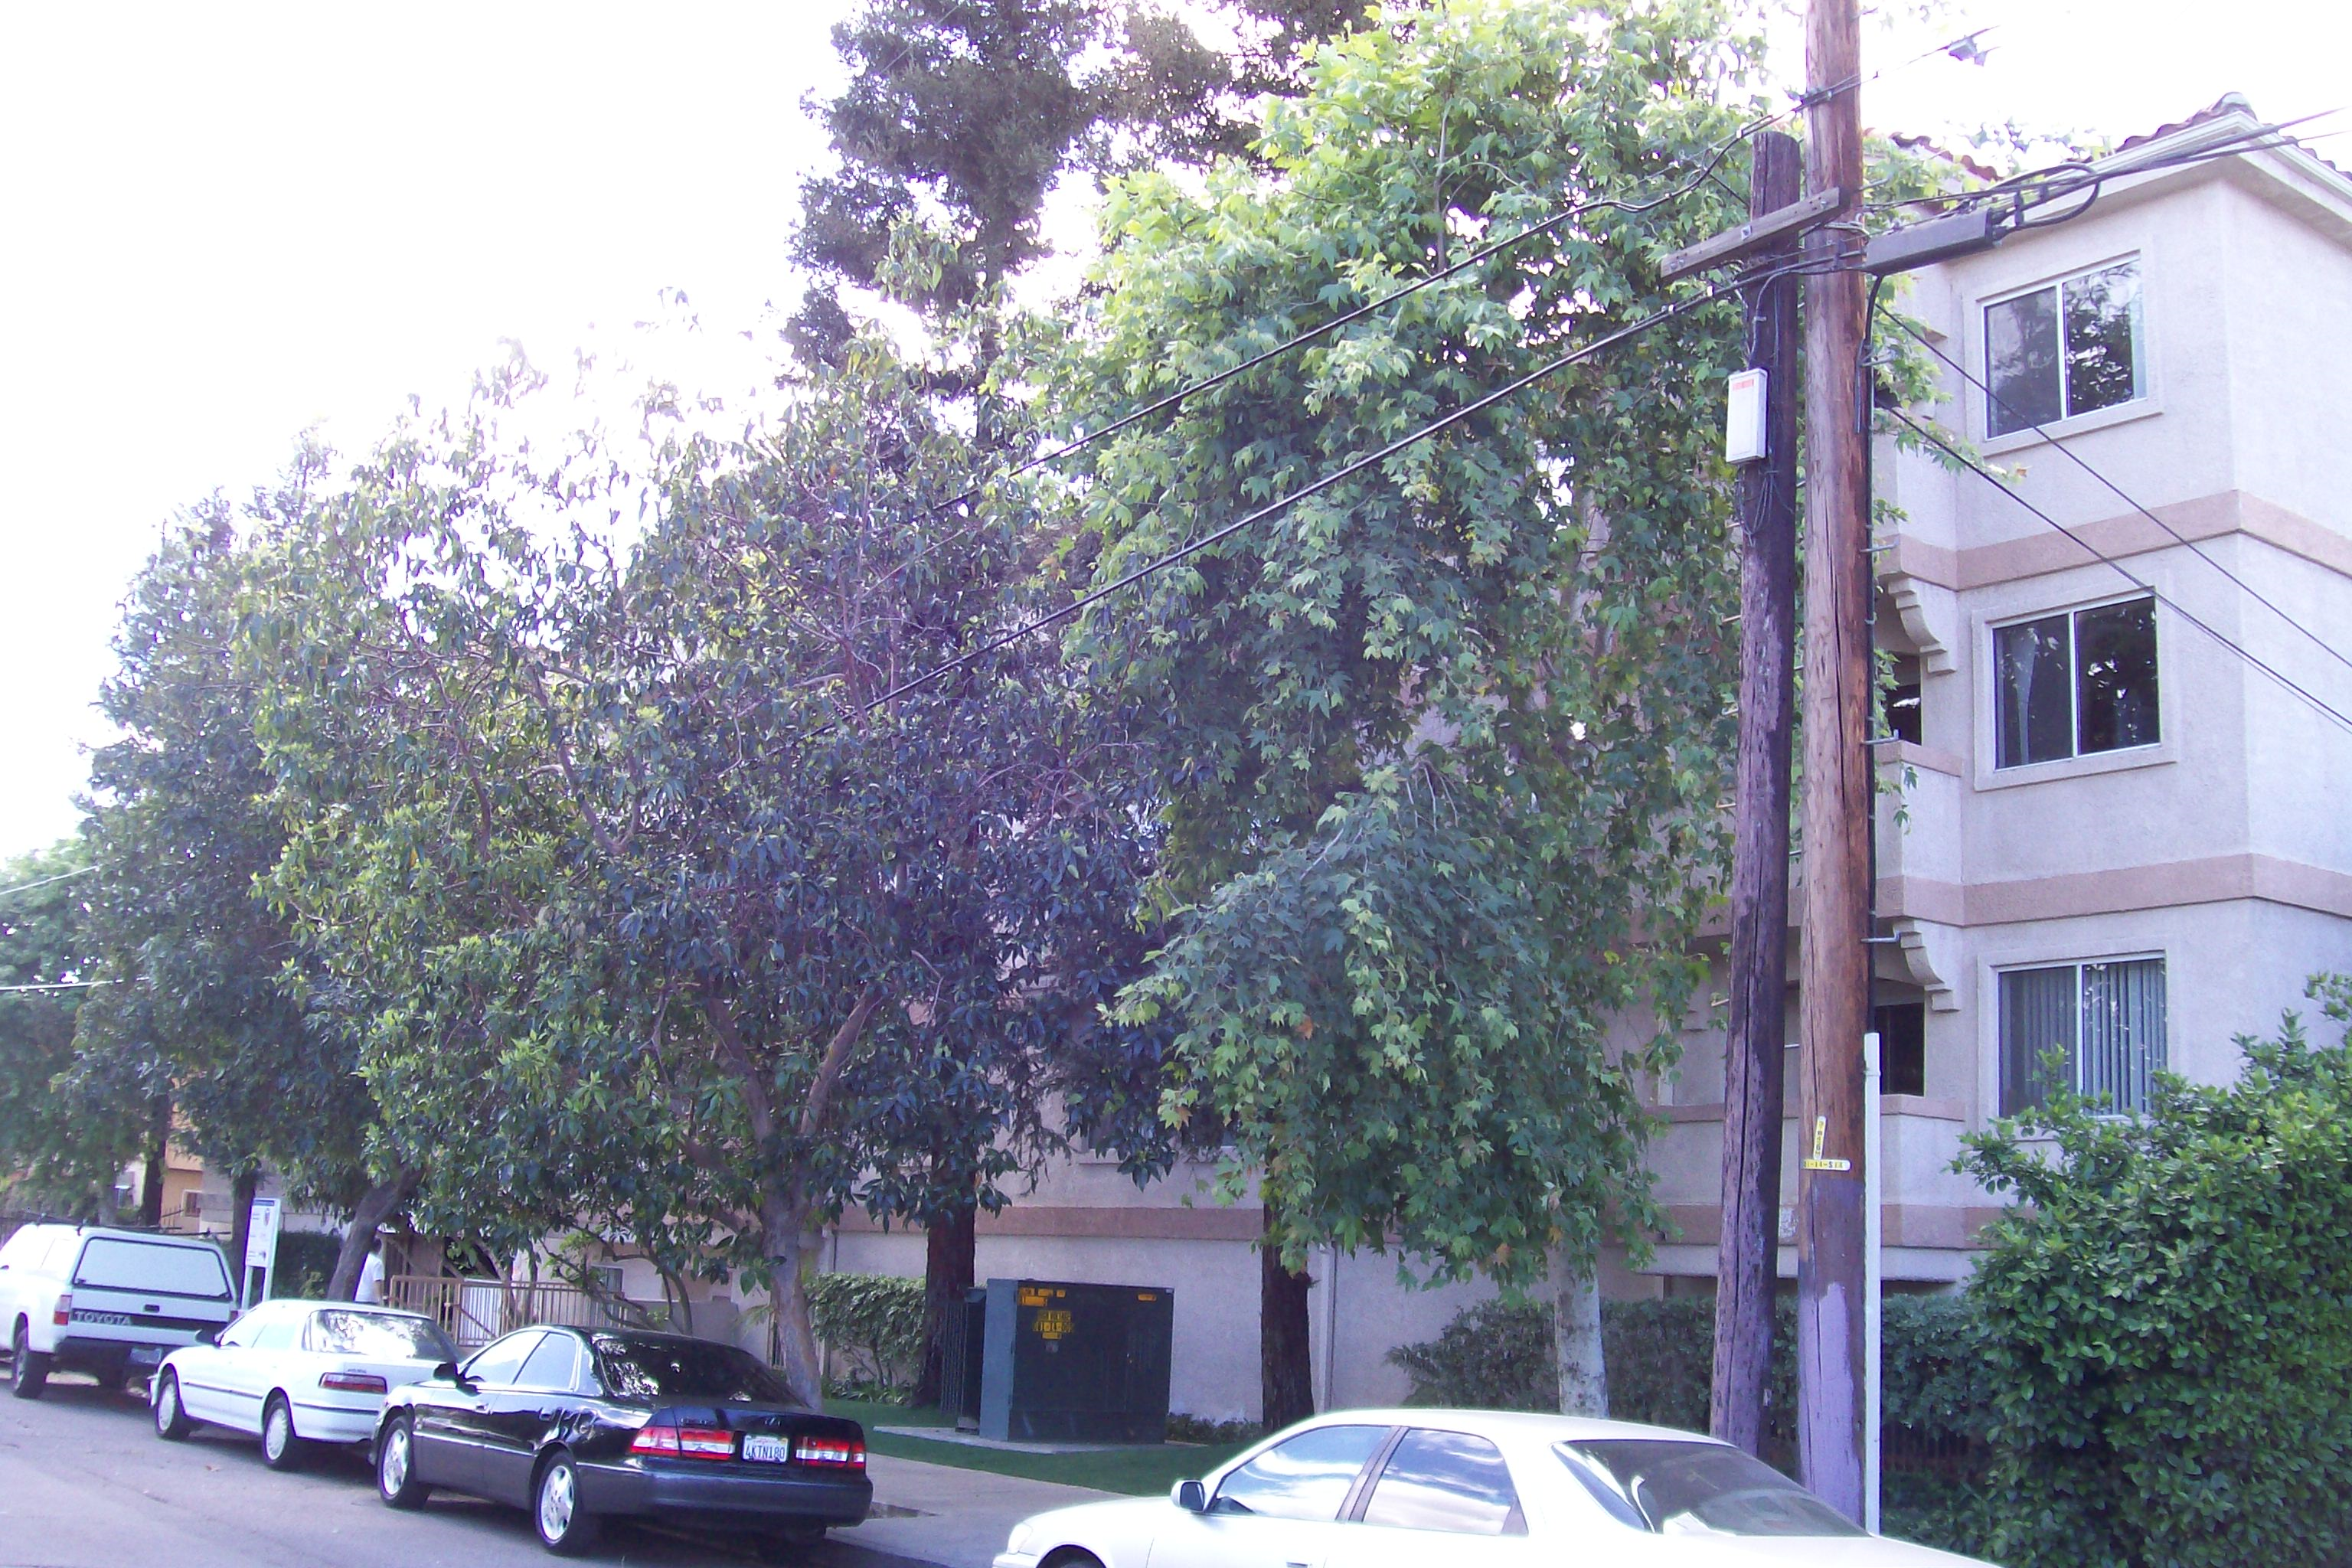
[{"x": 1744, "y": 439}]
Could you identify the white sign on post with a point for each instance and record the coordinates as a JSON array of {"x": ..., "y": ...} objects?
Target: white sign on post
[{"x": 260, "y": 1248}]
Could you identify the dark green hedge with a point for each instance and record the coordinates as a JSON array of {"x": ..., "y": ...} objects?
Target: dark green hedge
[
  {"x": 2167, "y": 1323},
  {"x": 305, "y": 1261}
]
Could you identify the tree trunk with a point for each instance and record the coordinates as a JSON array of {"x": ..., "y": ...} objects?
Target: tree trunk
[
  {"x": 240, "y": 1225},
  {"x": 1286, "y": 1356},
  {"x": 950, "y": 1263},
  {"x": 1756, "y": 1033},
  {"x": 785, "y": 1227},
  {"x": 377, "y": 1205},
  {"x": 1576, "y": 1335},
  {"x": 151, "y": 1185}
]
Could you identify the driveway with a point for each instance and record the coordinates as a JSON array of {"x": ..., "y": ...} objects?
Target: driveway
[{"x": 85, "y": 1484}]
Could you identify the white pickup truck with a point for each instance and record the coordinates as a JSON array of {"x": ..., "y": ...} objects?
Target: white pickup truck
[{"x": 112, "y": 1303}]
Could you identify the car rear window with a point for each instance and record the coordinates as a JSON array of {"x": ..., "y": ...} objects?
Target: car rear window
[
  {"x": 1672, "y": 1488},
  {"x": 152, "y": 1267},
  {"x": 378, "y": 1336},
  {"x": 653, "y": 1370}
]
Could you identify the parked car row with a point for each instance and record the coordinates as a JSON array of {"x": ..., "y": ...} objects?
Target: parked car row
[{"x": 574, "y": 1426}]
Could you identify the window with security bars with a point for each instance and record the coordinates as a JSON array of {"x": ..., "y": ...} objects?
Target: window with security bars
[{"x": 2106, "y": 1020}]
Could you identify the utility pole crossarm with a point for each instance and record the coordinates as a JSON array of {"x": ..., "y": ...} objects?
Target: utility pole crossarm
[{"x": 1757, "y": 234}]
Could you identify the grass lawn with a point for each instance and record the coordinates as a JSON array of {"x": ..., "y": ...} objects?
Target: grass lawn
[{"x": 1143, "y": 1471}]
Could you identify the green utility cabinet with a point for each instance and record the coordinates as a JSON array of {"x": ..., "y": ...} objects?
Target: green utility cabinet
[{"x": 1075, "y": 1363}]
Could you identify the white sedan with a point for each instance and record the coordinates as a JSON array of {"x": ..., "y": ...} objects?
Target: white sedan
[
  {"x": 1467, "y": 1488},
  {"x": 297, "y": 1374}
]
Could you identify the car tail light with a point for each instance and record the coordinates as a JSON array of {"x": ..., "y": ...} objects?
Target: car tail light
[
  {"x": 684, "y": 1442},
  {"x": 353, "y": 1382},
  {"x": 64, "y": 1313},
  {"x": 847, "y": 1453}
]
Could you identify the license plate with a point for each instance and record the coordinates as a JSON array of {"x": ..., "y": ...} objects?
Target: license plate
[
  {"x": 146, "y": 1356},
  {"x": 766, "y": 1450}
]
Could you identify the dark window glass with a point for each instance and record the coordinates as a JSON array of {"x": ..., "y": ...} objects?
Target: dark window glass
[
  {"x": 2022, "y": 361},
  {"x": 2036, "y": 689},
  {"x": 2103, "y": 356},
  {"x": 1901, "y": 705},
  {"x": 1699, "y": 1488},
  {"x": 550, "y": 1365},
  {"x": 648, "y": 1369},
  {"x": 1902, "y": 1029},
  {"x": 497, "y": 1362},
  {"x": 1445, "y": 1481},
  {"x": 2115, "y": 659},
  {"x": 377, "y": 1336},
  {"x": 1306, "y": 1478}
]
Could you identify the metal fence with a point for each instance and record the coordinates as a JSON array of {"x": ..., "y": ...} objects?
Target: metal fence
[{"x": 476, "y": 1311}]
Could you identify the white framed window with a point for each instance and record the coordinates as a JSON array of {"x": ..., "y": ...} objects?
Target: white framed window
[
  {"x": 2106, "y": 1019},
  {"x": 2064, "y": 347},
  {"x": 2075, "y": 683}
]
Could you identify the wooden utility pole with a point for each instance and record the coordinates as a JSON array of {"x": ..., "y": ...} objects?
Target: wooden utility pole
[
  {"x": 1756, "y": 1041},
  {"x": 1835, "y": 970}
]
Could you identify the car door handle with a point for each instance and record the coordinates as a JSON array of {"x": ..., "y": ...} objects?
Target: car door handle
[{"x": 549, "y": 1415}]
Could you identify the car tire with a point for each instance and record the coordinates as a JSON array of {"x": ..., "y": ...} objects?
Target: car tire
[
  {"x": 172, "y": 1423},
  {"x": 566, "y": 1528},
  {"x": 1072, "y": 1557},
  {"x": 395, "y": 1466},
  {"x": 28, "y": 1369},
  {"x": 281, "y": 1449}
]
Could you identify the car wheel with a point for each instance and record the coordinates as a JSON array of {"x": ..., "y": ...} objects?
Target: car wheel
[
  {"x": 566, "y": 1528},
  {"x": 395, "y": 1466},
  {"x": 172, "y": 1423},
  {"x": 1072, "y": 1557},
  {"x": 280, "y": 1449},
  {"x": 28, "y": 1369}
]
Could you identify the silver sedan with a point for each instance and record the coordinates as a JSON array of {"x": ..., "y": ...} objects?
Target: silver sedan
[{"x": 1467, "y": 1488}]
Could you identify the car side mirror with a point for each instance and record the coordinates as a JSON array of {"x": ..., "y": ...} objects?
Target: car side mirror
[
  {"x": 448, "y": 1370},
  {"x": 207, "y": 1336},
  {"x": 1189, "y": 1496}
]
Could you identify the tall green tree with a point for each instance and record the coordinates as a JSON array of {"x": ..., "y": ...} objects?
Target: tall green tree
[
  {"x": 1438, "y": 747},
  {"x": 683, "y": 911},
  {"x": 201, "y": 994},
  {"x": 62, "y": 1141}
]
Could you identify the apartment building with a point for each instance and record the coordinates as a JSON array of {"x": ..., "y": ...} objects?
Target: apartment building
[{"x": 2117, "y": 761}]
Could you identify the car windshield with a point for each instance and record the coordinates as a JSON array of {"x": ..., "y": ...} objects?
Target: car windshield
[
  {"x": 651, "y": 1370},
  {"x": 1670, "y": 1488},
  {"x": 379, "y": 1336},
  {"x": 153, "y": 1268}
]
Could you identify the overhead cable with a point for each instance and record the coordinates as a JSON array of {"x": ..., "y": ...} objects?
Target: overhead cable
[
  {"x": 1940, "y": 443},
  {"x": 1326, "y": 481},
  {"x": 2118, "y": 492},
  {"x": 45, "y": 882}
]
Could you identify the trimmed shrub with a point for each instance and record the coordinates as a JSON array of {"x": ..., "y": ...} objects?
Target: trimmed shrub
[
  {"x": 2168, "y": 1324},
  {"x": 305, "y": 1261},
  {"x": 875, "y": 1320}
]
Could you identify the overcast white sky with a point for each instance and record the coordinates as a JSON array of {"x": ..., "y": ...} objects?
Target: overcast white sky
[{"x": 220, "y": 224}]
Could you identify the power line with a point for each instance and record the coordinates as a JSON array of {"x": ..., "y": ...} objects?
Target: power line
[
  {"x": 2070, "y": 456},
  {"x": 57, "y": 985},
  {"x": 45, "y": 882},
  {"x": 1347, "y": 470},
  {"x": 1712, "y": 161},
  {"x": 1937, "y": 440}
]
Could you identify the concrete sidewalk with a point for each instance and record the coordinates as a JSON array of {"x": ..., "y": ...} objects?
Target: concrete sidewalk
[{"x": 959, "y": 1518}]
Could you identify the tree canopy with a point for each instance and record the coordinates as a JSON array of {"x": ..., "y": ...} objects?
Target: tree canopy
[{"x": 1438, "y": 747}]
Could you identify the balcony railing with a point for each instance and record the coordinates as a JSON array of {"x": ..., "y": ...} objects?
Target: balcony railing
[{"x": 476, "y": 1311}]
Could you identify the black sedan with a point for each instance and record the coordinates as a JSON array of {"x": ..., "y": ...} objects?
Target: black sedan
[{"x": 580, "y": 1424}]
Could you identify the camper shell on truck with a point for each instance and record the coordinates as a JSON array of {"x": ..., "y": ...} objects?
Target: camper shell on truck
[{"x": 109, "y": 1303}]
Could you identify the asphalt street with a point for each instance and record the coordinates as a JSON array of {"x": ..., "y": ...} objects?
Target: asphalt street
[{"x": 84, "y": 1483}]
